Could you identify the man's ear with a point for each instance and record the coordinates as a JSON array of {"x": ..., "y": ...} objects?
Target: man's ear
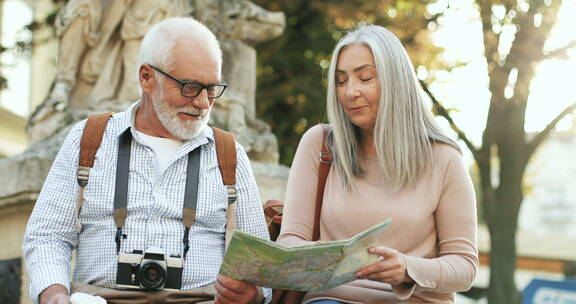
[{"x": 146, "y": 78}]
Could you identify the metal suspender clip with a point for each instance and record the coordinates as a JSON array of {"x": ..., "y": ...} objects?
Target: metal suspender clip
[
  {"x": 186, "y": 242},
  {"x": 118, "y": 239},
  {"x": 82, "y": 176},
  {"x": 232, "y": 194}
]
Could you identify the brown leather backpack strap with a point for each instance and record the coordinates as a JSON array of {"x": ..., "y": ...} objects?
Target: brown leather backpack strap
[
  {"x": 226, "y": 152},
  {"x": 227, "y": 161},
  {"x": 323, "y": 170},
  {"x": 89, "y": 144}
]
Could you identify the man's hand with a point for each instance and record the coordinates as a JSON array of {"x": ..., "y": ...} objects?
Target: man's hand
[
  {"x": 233, "y": 291},
  {"x": 390, "y": 269},
  {"x": 55, "y": 294}
]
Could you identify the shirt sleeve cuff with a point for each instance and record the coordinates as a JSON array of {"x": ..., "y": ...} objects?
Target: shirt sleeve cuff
[
  {"x": 403, "y": 291},
  {"x": 44, "y": 276},
  {"x": 424, "y": 272}
]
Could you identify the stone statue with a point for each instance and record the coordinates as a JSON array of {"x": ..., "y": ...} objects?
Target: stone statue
[
  {"x": 99, "y": 44},
  {"x": 98, "y": 53},
  {"x": 239, "y": 24}
]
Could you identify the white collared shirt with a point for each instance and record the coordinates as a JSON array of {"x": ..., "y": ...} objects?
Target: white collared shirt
[{"x": 155, "y": 200}]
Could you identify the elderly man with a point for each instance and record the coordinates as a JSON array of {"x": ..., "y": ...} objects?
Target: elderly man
[{"x": 180, "y": 78}]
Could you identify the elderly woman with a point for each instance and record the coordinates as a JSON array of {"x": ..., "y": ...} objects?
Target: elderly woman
[{"x": 390, "y": 160}]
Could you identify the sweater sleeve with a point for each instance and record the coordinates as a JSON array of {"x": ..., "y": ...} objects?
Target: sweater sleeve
[
  {"x": 298, "y": 218},
  {"x": 457, "y": 263}
]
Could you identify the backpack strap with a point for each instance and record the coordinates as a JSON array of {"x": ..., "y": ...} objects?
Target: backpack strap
[
  {"x": 325, "y": 158},
  {"x": 227, "y": 161},
  {"x": 89, "y": 144}
]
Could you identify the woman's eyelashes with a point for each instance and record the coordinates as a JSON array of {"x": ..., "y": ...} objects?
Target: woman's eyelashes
[
  {"x": 341, "y": 80},
  {"x": 366, "y": 75}
]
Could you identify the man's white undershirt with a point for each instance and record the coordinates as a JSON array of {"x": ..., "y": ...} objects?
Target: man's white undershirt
[{"x": 164, "y": 148}]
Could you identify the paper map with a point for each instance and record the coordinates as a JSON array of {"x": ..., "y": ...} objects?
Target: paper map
[{"x": 317, "y": 266}]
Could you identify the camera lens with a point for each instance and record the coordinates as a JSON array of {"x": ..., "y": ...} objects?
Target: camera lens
[{"x": 152, "y": 276}]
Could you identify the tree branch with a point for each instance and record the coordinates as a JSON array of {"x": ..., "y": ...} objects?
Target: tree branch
[
  {"x": 442, "y": 111},
  {"x": 535, "y": 143},
  {"x": 561, "y": 53},
  {"x": 491, "y": 39}
]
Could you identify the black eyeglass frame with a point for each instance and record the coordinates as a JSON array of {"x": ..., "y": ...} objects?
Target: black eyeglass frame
[{"x": 182, "y": 84}]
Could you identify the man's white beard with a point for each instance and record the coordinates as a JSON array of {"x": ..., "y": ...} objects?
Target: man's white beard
[{"x": 168, "y": 115}]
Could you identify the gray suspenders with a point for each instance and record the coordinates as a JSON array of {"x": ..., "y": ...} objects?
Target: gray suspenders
[
  {"x": 226, "y": 155},
  {"x": 121, "y": 190}
]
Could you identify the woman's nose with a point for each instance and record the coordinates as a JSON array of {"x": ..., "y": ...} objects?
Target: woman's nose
[{"x": 352, "y": 90}]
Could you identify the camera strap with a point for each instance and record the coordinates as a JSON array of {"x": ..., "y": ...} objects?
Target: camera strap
[
  {"x": 190, "y": 195},
  {"x": 121, "y": 187},
  {"x": 121, "y": 190}
]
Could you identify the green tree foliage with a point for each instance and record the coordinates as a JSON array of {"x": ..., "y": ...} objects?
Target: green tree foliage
[{"x": 290, "y": 95}]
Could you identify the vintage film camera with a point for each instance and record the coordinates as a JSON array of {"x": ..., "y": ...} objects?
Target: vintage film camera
[{"x": 149, "y": 270}]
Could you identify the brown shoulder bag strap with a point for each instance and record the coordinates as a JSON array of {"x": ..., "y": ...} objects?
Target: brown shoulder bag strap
[
  {"x": 323, "y": 170},
  {"x": 227, "y": 161},
  {"x": 89, "y": 144}
]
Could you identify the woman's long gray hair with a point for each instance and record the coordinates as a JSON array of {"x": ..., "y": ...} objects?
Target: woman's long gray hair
[{"x": 405, "y": 128}]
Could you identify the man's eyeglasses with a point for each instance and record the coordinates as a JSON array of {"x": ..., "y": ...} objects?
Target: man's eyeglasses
[{"x": 192, "y": 88}]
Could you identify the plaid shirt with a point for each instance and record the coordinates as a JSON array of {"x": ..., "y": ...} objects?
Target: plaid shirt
[{"x": 155, "y": 201}]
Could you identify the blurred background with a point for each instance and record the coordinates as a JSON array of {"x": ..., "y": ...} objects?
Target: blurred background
[{"x": 500, "y": 75}]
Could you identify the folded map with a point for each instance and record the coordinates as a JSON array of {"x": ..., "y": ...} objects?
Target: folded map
[{"x": 317, "y": 266}]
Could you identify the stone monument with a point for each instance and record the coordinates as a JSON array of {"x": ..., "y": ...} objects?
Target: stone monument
[{"x": 96, "y": 72}]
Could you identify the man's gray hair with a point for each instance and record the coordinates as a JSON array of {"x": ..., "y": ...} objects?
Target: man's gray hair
[
  {"x": 158, "y": 43},
  {"x": 405, "y": 128}
]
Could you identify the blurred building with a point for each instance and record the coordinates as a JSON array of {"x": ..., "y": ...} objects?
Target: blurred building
[
  {"x": 13, "y": 99},
  {"x": 546, "y": 238},
  {"x": 550, "y": 204},
  {"x": 12, "y": 133},
  {"x": 28, "y": 71}
]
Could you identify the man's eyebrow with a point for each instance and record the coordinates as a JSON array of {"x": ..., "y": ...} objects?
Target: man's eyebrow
[{"x": 187, "y": 80}]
